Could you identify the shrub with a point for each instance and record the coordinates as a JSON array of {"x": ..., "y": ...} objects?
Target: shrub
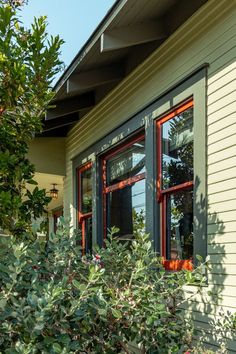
[{"x": 53, "y": 300}]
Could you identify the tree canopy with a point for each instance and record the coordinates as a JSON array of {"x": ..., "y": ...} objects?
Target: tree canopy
[{"x": 29, "y": 60}]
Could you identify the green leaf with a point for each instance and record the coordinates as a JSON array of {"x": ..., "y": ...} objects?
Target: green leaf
[
  {"x": 78, "y": 285},
  {"x": 102, "y": 312},
  {"x": 57, "y": 348},
  {"x": 49, "y": 340},
  {"x": 116, "y": 313},
  {"x": 31, "y": 181},
  {"x": 199, "y": 258},
  {"x": 75, "y": 345},
  {"x": 39, "y": 326},
  {"x": 3, "y": 303},
  {"x": 64, "y": 338}
]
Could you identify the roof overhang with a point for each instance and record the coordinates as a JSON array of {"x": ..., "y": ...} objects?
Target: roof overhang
[{"x": 128, "y": 34}]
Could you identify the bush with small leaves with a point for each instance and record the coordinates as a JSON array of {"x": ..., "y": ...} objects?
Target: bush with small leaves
[{"x": 54, "y": 300}]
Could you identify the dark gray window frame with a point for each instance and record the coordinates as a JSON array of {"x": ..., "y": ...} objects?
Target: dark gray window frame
[{"x": 193, "y": 86}]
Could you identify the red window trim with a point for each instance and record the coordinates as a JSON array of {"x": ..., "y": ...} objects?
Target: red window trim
[
  {"x": 124, "y": 183},
  {"x": 179, "y": 264},
  {"x": 82, "y": 217},
  {"x": 120, "y": 185},
  {"x": 116, "y": 150},
  {"x": 162, "y": 194}
]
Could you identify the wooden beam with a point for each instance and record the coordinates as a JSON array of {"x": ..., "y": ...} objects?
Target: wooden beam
[
  {"x": 131, "y": 35},
  {"x": 93, "y": 78},
  {"x": 70, "y": 105},
  {"x": 60, "y": 122}
]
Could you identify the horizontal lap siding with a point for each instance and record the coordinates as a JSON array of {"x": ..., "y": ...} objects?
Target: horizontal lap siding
[
  {"x": 221, "y": 140},
  {"x": 221, "y": 105},
  {"x": 214, "y": 43}
]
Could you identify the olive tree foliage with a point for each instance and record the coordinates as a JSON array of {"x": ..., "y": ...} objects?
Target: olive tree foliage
[{"x": 29, "y": 60}]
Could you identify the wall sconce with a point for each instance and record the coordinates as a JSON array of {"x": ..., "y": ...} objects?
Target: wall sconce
[{"x": 54, "y": 192}]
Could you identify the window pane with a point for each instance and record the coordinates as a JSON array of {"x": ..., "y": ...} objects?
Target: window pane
[
  {"x": 126, "y": 209},
  {"x": 179, "y": 224},
  {"x": 177, "y": 149},
  {"x": 86, "y": 191},
  {"x": 126, "y": 164}
]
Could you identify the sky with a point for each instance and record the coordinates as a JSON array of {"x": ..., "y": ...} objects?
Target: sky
[{"x": 73, "y": 20}]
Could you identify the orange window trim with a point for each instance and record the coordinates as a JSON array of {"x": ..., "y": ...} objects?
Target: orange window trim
[
  {"x": 172, "y": 265},
  {"x": 177, "y": 264},
  {"x": 82, "y": 217}
]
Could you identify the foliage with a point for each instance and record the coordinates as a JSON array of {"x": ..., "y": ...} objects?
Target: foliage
[
  {"x": 28, "y": 63},
  {"x": 53, "y": 300}
]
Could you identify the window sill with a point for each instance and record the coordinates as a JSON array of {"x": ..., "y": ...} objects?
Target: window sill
[{"x": 175, "y": 265}]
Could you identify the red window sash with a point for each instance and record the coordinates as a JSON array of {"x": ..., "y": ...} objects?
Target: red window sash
[
  {"x": 125, "y": 183},
  {"x": 124, "y": 146},
  {"x": 162, "y": 194},
  {"x": 171, "y": 190},
  {"x": 82, "y": 217},
  {"x": 159, "y": 123},
  {"x": 183, "y": 107},
  {"x": 82, "y": 222},
  {"x": 119, "y": 185}
]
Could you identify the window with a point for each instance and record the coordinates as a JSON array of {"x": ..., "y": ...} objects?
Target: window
[
  {"x": 85, "y": 206},
  {"x": 175, "y": 137},
  {"x": 165, "y": 164},
  {"x": 124, "y": 187}
]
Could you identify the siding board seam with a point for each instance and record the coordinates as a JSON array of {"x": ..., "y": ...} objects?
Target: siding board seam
[
  {"x": 225, "y": 148},
  {"x": 224, "y": 169},
  {"x": 219, "y": 120},
  {"x": 217, "y": 100},
  {"x": 221, "y": 87},
  {"x": 225, "y": 159}
]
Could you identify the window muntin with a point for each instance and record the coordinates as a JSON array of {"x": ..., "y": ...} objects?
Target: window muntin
[
  {"x": 124, "y": 187},
  {"x": 175, "y": 185},
  {"x": 85, "y": 206}
]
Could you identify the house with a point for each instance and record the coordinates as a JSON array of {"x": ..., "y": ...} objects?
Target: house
[{"x": 144, "y": 126}]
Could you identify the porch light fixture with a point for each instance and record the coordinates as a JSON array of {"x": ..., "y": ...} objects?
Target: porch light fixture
[{"x": 54, "y": 192}]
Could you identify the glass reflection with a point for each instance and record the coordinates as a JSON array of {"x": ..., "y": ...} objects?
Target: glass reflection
[
  {"x": 180, "y": 225},
  {"x": 86, "y": 191},
  {"x": 126, "y": 164},
  {"x": 126, "y": 209},
  {"x": 177, "y": 149}
]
